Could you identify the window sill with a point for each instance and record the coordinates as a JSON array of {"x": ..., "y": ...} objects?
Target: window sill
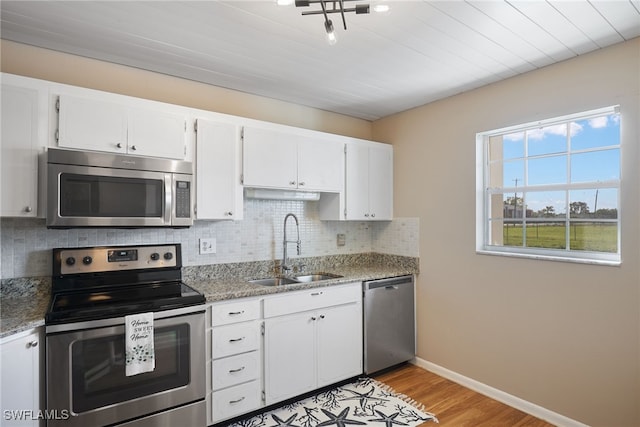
[{"x": 547, "y": 257}]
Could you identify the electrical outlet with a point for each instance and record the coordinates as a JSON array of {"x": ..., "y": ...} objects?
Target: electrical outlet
[
  {"x": 341, "y": 239},
  {"x": 208, "y": 246}
]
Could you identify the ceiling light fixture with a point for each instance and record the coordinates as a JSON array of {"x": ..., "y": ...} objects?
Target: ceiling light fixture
[{"x": 332, "y": 6}]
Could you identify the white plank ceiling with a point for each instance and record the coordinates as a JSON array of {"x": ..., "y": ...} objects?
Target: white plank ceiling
[{"x": 418, "y": 52}]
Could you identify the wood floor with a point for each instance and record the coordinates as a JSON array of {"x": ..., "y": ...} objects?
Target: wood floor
[{"x": 453, "y": 404}]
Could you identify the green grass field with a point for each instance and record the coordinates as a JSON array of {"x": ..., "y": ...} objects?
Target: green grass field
[{"x": 583, "y": 237}]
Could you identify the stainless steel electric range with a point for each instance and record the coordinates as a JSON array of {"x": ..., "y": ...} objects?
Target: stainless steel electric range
[{"x": 93, "y": 289}]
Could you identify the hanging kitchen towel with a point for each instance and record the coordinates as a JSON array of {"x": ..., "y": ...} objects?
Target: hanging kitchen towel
[{"x": 139, "y": 344}]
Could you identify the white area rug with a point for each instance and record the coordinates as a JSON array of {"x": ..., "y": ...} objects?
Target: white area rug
[{"x": 363, "y": 402}]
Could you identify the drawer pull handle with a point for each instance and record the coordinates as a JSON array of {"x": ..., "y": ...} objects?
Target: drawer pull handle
[
  {"x": 236, "y": 339},
  {"x": 233, "y": 371},
  {"x": 231, "y": 402},
  {"x": 235, "y": 313},
  {"x": 316, "y": 294}
]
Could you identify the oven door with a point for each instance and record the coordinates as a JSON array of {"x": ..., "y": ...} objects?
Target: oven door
[
  {"x": 85, "y": 196},
  {"x": 86, "y": 371}
]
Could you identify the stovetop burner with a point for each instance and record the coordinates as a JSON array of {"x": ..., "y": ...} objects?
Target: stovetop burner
[{"x": 117, "y": 281}]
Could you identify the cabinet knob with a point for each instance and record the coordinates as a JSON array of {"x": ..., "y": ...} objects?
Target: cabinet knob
[
  {"x": 229, "y": 213},
  {"x": 373, "y": 215},
  {"x": 322, "y": 316},
  {"x": 366, "y": 215},
  {"x": 33, "y": 344},
  {"x": 28, "y": 209},
  {"x": 133, "y": 148},
  {"x": 301, "y": 183},
  {"x": 292, "y": 183},
  {"x": 118, "y": 145},
  {"x": 313, "y": 318}
]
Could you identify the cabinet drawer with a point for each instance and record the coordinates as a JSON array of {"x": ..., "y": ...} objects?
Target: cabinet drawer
[
  {"x": 235, "y": 370},
  {"x": 236, "y": 400},
  {"x": 233, "y": 312},
  {"x": 234, "y": 339},
  {"x": 294, "y": 302}
]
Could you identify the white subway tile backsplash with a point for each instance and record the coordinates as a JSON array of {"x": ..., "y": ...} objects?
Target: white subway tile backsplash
[{"x": 26, "y": 244}]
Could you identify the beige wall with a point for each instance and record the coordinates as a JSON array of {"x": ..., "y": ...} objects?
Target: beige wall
[
  {"x": 565, "y": 336},
  {"x": 59, "y": 67}
]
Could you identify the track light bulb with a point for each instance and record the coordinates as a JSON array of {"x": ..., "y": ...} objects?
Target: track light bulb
[{"x": 331, "y": 35}]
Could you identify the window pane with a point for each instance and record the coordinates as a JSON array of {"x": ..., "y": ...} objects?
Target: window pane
[
  {"x": 546, "y": 204},
  {"x": 513, "y": 146},
  {"x": 594, "y": 203},
  {"x": 595, "y": 166},
  {"x": 596, "y": 132},
  {"x": 513, "y": 174},
  {"x": 549, "y": 235},
  {"x": 594, "y": 236},
  {"x": 547, "y": 140},
  {"x": 512, "y": 234},
  {"x": 547, "y": 170},
  {"x": 512, "y": 205}
]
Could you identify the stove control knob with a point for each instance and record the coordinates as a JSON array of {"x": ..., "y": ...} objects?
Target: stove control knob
[
  {"x": 87, "y": 260},
  {"x": 155, "y": 256},
  {"x": 168, "y": 255},
  {"x": 70, "y": 261}
]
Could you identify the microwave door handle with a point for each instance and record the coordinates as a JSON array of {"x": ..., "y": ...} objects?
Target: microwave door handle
[{"x": 169, "y": 184}]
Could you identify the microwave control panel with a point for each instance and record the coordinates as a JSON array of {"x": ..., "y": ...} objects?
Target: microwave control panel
[{"x": 183, "y": 199}]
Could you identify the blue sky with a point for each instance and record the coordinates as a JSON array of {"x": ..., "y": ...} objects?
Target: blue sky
[{"x": 552, "y": 143}]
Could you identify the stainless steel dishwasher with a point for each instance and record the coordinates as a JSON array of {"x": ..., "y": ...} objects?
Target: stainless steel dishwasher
[{"x": 389, "y": 322}]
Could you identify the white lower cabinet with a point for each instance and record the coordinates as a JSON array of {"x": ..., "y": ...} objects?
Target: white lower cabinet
[
  {"x": 20, "y": 379},
  {"x": 235, "y": 365},
  {"x": 312, "y": 340},
  {"x": 266, "y": 350}
]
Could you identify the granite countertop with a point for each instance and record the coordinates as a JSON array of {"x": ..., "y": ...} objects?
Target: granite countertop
[
  {"x": 23, "y": 304},
  {"x": 25, "y": 301},
  {"x": 225, "y": 289}
]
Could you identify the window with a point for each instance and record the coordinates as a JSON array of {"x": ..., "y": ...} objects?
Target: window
[{"x": 551, "y": 189}]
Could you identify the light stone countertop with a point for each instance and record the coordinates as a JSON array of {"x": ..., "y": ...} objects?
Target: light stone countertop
[{"x": 24, "y": 301}]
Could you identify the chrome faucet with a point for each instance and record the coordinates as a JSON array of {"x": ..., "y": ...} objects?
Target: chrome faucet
[{"x": 284, "y": 265}]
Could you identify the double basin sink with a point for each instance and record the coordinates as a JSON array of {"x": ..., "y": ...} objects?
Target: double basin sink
[{"x": 306, "y": 278}]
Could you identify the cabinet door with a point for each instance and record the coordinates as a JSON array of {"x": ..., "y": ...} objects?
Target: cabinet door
[
  {"x": 156, "y": 134},
  {"x": 289, "y": 356},
  {"x": 269, "y": 159},
  {"x": 357, "y": 182},
  {"x": 380, "y": 182},
  {"x": 320, "y": 165},
  {"x": 20, "y": 137},
  {"x": 20, "y": 379},
  {"x": 89, "y": 124},
  {"x": 339, "y": 331},
  {"x": 218, "y": 189}
]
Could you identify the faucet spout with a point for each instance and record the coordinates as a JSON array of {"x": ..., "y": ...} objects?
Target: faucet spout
[{"x": 285, "y": 242}]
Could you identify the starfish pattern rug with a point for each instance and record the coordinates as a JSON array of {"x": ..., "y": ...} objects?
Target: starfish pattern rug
[{"x": 365, "y": 402}]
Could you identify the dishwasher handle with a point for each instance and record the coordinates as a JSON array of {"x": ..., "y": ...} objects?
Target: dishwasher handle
[{"x": 391, "y": 283}]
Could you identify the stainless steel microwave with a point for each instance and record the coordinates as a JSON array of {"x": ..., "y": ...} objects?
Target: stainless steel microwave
[{"x": 89, "y": 189}]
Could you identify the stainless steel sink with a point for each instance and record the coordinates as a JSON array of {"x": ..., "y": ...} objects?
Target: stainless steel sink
[
  {"x": 316, "y": 277},
  {"x": 273, "y": 281},
  {"x": 306, "y": 278}
]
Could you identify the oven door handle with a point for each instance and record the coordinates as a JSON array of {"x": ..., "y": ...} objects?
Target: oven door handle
[{"x": 119, "y": 321}]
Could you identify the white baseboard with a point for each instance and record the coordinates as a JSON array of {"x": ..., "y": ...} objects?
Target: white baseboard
[{"x": 499, "y": 395}]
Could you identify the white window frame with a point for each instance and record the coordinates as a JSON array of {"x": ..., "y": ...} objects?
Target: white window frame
[{"x": 483, "y": 192}]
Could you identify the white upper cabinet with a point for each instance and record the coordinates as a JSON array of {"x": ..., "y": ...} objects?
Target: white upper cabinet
[
  {"x": 24, "y": 127},
  {"x": 99, "y": 125},
  {"x": 368, "y": 185},
  {"x": 218, "y": 187},
  {"x": 277, "y": 159}
]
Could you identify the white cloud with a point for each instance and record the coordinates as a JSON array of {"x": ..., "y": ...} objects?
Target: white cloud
[{"x": 598, "y": 122}]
